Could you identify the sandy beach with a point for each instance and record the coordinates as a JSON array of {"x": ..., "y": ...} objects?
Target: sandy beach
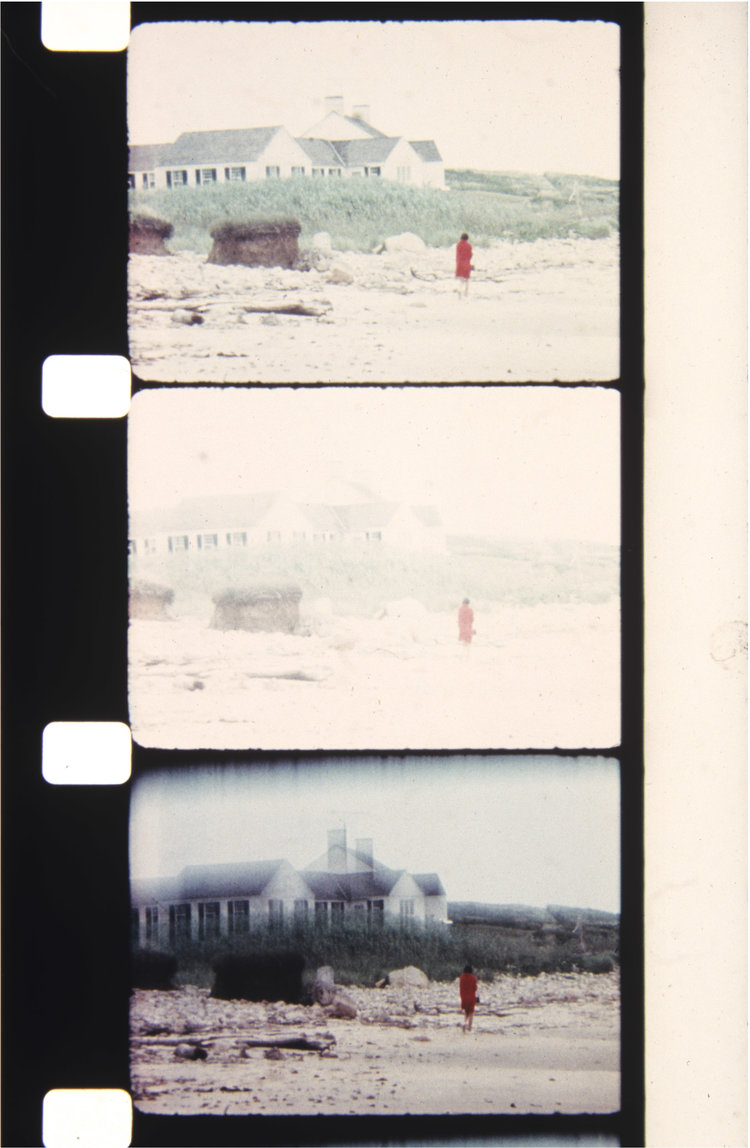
[
  {"x": 540, "y": 1044},
  {"x": 541, "y": 311},
  {"x": 536, "y": 677}
]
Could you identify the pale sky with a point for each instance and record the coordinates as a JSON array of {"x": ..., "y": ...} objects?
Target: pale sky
[
  {"x": 534, "y": 463},
  {"x": 534, "y": 830},
  {"x": 496, "y": 95}
]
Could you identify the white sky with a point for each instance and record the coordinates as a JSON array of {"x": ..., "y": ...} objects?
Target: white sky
[
  {"x": 532, "y": 463},
  {"x": 497, "y": 95},
  {"x": 534, "y": 830}
]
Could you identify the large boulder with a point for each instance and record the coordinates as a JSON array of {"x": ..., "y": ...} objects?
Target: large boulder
[
  {"x": 410, "y": 977},
  {"x": 149, "y": 600},
  {"x": 408, "y": 241}
]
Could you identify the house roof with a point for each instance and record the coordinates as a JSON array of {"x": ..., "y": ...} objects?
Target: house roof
[
  {"x": 204, "y": 512},
  {"x": 233, "y": 145},
  {"x": 241, "y": 879},
  {"x": 356, "y": 121},
  {"x": 427, "y": 515},
  {"x": 365, "y": 151},
  {"x": 366, "y": 516},
  {"x": 321, "y": 152},
  {"x": 426, "y": 150},
  {"x": 145, "y": 157},
  {"x": 430, "y": 884},
  {"x": 352, "y": 886}
]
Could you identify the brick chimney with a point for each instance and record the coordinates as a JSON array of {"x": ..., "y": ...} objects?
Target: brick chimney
[
  {"x": 364, "y": 848},
  {"x": 361, "y": 112},
  {"x": 334, "y": 104},
  {"x": 336, "y": 850}
]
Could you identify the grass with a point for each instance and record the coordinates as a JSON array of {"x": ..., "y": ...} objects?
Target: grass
[
  {"x": 360, "y": 581},
  {"x": 360, "y": 955},
  {"x": 361, "y": 214}
]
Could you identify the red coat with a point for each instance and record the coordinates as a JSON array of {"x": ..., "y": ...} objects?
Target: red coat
[
  {"x": 467, "y": 986},
  {"x": 465, "y": 623},
  {"x": 463, "y": 259}
]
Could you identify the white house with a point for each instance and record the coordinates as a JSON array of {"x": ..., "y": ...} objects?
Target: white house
[
  {"x": 207, "y": 902},
  {"x": 211, "y": 523},
  {"x": 338, "y": 146}
]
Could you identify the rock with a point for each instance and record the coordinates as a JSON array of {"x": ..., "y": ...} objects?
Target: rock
[
  {"x": 339, "y": 274},
  {"x": 188, "y": 318},
  {"x": 408, "y": 241},
  {"x": 321, "y": 240},
  {"x": 410, "y": 977},
  {"x": 190, "y": 1052},
  {"x": 324, "y": 989},
  {"x": 342, "y": 1007},
  {"x": 273, "y": 1054}
]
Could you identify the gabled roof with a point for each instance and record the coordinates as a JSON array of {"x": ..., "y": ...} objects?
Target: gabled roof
[
  {"x": 365, "y": 151},
  {"x": 366, "y": 516},
  {"x": 427, "y": 515},
  {"x": 430, "y": 884},
  {"x": 321, "y": 152},
  {"x": 241, "y": 879},
  {"x": 145, "y": 157},
  {"x": 426, "y": 150},
  {"x": 357, "y": 122},
  {"x": 204, "y": 512},
  {"x": 322, "y": 517},
  {"x": 234, "y": 145},
  {"x": 352, "y": 886}
]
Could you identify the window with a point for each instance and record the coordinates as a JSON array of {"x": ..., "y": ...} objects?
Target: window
[
  {"x": 208, "y": 541},
  {"x": 273, "y": 172},
  {"x": 273, "y": 536},
  {"x": 374, "y": 535},
  {"x": 149, "y": 545},
  {"x": 177, "y": 178},
  {"x": 298, "y": 171},
  {"x": 152, "y": 923},
  {"x": 376, "y": 912},
  {"x": 359, "y": 910},
  {"x": 299, "y": 535},
  {"x": 300, "y": 911},
  {"x": 131, "y": 180},
  {"x": 321, "y": 912},
  {"x": 177, "y": 542},
  {"x": 337, "y": 912},
  {"x": 406, "y": 910},
  {"x": 318, "y": 171},
  {"x": 372, "y": 171},
  {"x": 238, "y": 919},
  {"x": 403, "y": 174},
  {"x": 237, "y": 538},
  {"x": 234, "y": 174},
  {"x": 336, "y": 171},
  {"x": 205, "y": 175},
  {"x": 132, "y": 546},
  {"x": 208, "y": 920},
  {"x": 148, "y": 180},
  {"x": 179, "y": 923},
  {"x": 275, "y": 912}
]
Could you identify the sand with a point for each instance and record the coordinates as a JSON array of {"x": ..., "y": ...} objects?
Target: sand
[
  {"x": 542, "y": 311},
  {"x": 539, "y": 677},
  {"x": 542, "y": 1044}
]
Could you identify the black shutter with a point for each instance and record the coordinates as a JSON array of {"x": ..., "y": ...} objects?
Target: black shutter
[
  {"x": 226, "y": 173},
  {"x": 169, "y": 179},
  {"x": 198, "y": 176}
]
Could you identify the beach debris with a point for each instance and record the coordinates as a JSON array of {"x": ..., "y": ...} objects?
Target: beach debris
[
  {"x": 187, "y": 1050},
  {"x": 186, "y": 317},
  {"x": 331, "y": 996},
  {"x": 339, "y": 274}
]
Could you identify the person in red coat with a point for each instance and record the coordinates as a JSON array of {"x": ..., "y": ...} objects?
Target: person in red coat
[
  {"x": 467, "y": 987},
  {"x": 466, "y": 629},
  {"x": 463, "y": 263}
]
